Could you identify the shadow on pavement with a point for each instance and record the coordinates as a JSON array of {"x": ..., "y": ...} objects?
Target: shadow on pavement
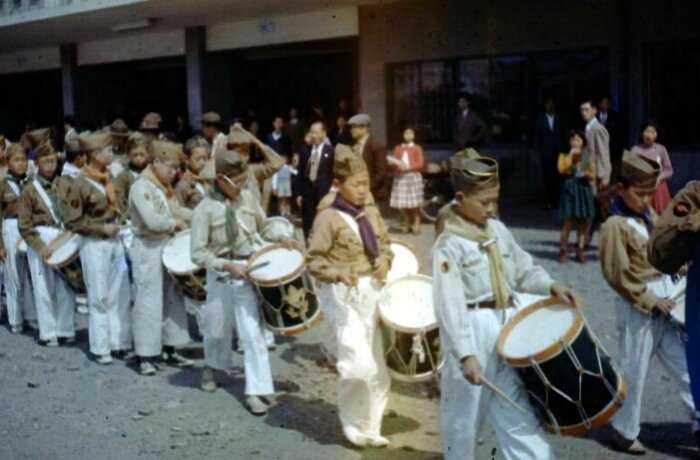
[{"x": 671, "y": 439}]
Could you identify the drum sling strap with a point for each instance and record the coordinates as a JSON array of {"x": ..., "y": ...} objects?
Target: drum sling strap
[{"x": 47, "y": 201}]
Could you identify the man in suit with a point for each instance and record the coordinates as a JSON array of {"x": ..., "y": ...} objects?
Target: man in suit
[
  {"x": 296, "y": 129},
  {"x": 549, "y": 138},
  {"x": 373, "y": 153},
  {"x": 598, "y": 140},
  {"x": 470, "y": 129},
  {"x": 278, "y": 139},
  {"x": 612, "y": 122},
  {"x": 341, "y": 135},
  {"x": 315, "y": 175}
]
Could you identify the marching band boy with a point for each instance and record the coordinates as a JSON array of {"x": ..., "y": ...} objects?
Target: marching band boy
[
  {"x": 477, "y": 268},
  {"x": 349, "y": 255},
  {"x": 227, "y": 228},
  {"x": 91, "y": 209},
  {"x": 55, "y": 302},
  {"x": 158, "y": 317},
  {"x": 18, "y": 290},
  {"x": 138, "y": 160},
  {"x": 643, "y": 309}
]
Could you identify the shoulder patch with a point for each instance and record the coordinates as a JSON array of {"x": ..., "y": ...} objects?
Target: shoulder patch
[
  {"x": 681, "y": 209},
  {"x": 147, "y": 196},
  {"x": 445, "y": 266}
]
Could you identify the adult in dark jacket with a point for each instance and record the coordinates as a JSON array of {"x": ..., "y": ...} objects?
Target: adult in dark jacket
[
  {"x": 278, "y": 139},
  {"x": 470, "y": 130},
  {"x": 549, "y": 135},
  {"x": 373, "y": 153}
]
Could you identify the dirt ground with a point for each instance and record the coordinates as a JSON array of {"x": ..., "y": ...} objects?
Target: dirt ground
[{"x": 58, "y": 404}]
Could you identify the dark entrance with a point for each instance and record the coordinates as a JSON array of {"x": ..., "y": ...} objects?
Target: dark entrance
[{"x": 31, "y": 99}]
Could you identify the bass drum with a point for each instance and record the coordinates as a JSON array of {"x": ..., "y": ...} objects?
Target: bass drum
[
  {"x": 289, "y": 305},
  {"x": 410, "y": 330}
]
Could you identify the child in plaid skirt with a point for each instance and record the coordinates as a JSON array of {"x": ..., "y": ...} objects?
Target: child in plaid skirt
[{"x": 407, "y": 191}]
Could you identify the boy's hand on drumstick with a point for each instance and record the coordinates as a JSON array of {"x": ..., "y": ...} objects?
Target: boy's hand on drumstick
[
  {"x": 236, "y": 271},
  {"x": 111, "y": 230},
  {"x": 381, "y": 269},
  {"x": 471, "y": 368},
  {"x": 45, "y": 252},
  {"x": 665, "y": 306},
  {"x": 348, "y": 279},
  {"x": 566, "y": 294}
]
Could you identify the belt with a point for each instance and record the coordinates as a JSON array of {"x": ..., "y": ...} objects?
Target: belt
[{"x": 488, "y": 304}]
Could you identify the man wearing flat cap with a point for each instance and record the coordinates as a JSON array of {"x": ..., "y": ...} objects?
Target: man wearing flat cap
[
  {"x": 478, "y": 271},
  {"x": 373, "y": 153},
  {"x": 150, "y": 126},
  {"x": 91, "y": 210},
  {"x": 675, "y": 241},
  {"x": 158, "y": 317},
  {"x": 643, "y": 308},
  {"x": 228, "y": 227}
]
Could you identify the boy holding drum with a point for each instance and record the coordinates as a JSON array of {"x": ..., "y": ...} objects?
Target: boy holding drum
[
  {"x": 477, "y": 268},
  {"x": 228, "y": 226},
  {"x": 349, "y": 254},
  {"x": 646, "y": 296},
  {"x": 37, "y": 214}
]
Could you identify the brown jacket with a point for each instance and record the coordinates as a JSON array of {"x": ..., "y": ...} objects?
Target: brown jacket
[
  {"x": 33, "y": 212},
  {"x": 86, "y": 210},
  {"x": 9, "y": 203},
  {"x": 122, "y": 185},
  {"x": 677, "y": 231},
  {"x": 374, "y": 155}
]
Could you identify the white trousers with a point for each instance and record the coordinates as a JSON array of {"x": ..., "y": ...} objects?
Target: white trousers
[
  {"x": 106, "y": 277},
  {"x": 363, "y": 386},
  {"x": 159, "y": 316},
  {"x": 55, "y": 302},
  {"x": 463, "y": 405},
  {"x": 641, "y": 337},
  {"x": 230, "y": 302},
  {"x": 18, "y": 288},
  {"x": 196, "y": 309}
]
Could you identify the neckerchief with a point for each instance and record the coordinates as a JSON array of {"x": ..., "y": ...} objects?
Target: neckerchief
[
  {"x": 369, "y": 238},
  {"x": 104, "y": 179},
  {"x": 620, "y": 208},
  {"x": 459, "y": 226},
  {"x": 135, "y": 168},
  {"x": 19, "y": 180},
  {"x": 231, "y": 221},
  {"x": 46, "y": 185}
]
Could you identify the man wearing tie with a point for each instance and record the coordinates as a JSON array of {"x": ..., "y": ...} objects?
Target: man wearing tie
[
  {"x": 315, "y": 175},
  {"x": 548, "y": 143},
  {"x": 470, "y": 129}
]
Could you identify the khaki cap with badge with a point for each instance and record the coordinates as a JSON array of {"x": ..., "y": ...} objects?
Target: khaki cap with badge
[
  {"x": 346, "y": 163},
  {"x": 639, "y": 171},
  {"x": 167, "y": 152},
  {"x": 472, "y": 175},
  {"x": 94, "y": 141}
]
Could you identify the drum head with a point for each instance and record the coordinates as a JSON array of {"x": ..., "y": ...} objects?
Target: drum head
[
  {"x": 275, "y": 265},
  {"x": 537, "y": 328},
  {"x": 176, "y": 255},
  {"x": 405, "y": 262},
  {"x": 65, "y": 247},
  {"x": 406, "y": 304}
]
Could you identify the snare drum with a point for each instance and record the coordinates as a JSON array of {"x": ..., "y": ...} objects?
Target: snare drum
[
  {"x": 409, "y": 329},
  {"x": 405, "y": 261},
  {"x": 189, "y": 277},
  {"x": 571, "y": 382},
  {"x": 65, "y": 256},
  {"x": 289, "y": 305}
]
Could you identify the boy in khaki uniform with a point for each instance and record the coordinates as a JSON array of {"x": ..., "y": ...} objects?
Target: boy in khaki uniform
[
  {"x": 39, "y": 224},
  {"x": 192, "y": 188},
  {"x": 138, "y": 160},
  {"x": 158, "y": 318},
  {"x": 20, "y": 299},
  {"x": 646, "y": 297},
  {"x": 349, "y": 255},
  {"x": 91, "y": 210}
]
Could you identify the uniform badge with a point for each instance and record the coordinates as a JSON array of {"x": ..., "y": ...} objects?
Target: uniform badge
[
  {"x": 75, "y": 204},
  {"x": 445, "y": 267},
  {"x": 681, "y": 210}
]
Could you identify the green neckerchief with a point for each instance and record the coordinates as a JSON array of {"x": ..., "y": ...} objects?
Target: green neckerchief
[{"x": 231, "y": 221}]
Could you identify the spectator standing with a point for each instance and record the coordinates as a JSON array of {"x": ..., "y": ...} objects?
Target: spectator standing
[
  {"x": 470, "y": 129},
  {"x": 407, "y": 191},
  {"x": 548, "y": 143},
  {"x": 654, "y": 151}
]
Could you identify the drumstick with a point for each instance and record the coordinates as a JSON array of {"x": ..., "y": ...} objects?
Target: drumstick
[
  {"x": 500, "y": 393},
  {"x": 258, "y": 266}
]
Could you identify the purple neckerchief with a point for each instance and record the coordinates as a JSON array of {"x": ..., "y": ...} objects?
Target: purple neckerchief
[
  {"x": 369, "y": 238},
  {"x": 620, "y": 208}
]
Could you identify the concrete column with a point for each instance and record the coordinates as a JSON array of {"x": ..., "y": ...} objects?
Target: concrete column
[
  {"x": 69, "y": 68},
  {"x": 195, "y": 54}
]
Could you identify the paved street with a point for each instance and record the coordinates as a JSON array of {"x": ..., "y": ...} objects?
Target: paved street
[{"x": 56, "y": 403}]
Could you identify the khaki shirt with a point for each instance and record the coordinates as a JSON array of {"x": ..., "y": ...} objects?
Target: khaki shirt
[
  {"x": 151, "y": 212},
  {"x": 677, "y": 231},
  {"x": 209, "y": 243},
  {"x": 33, "y": 212},
  {"x": 122, "y": 186},
  {"x": 86, "y": 209},
  {"x": 9, "y": 202},
  {"x": 461, "y": 276},
  {"x": 335, "y": 248},
  {"x": 190, "y": 192},
  {"x": 258, "y": 173},
  {"x": 623, "y": 257}
]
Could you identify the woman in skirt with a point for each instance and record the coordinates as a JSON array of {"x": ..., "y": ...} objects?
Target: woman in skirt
[
  {"x": 654, "y": 151},
  {"x": 407, "y": 192},
  {"x": 576, "y": 205}
]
